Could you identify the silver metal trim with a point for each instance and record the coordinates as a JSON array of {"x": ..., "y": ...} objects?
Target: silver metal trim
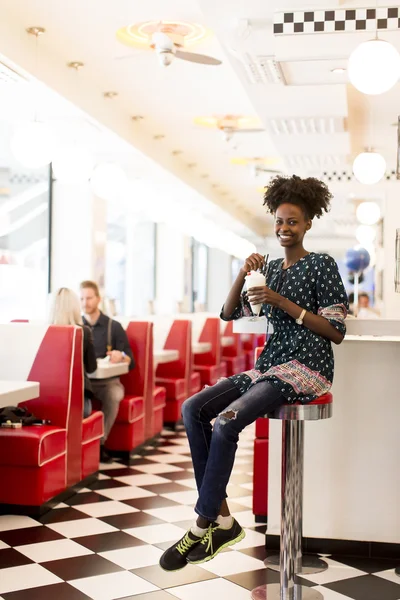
[
  {"x": 302, "y": 412},
  {"x": 310, "y": 564}
]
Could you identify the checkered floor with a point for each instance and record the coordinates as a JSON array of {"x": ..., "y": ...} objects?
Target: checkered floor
[{"x": 104, "y": 543}]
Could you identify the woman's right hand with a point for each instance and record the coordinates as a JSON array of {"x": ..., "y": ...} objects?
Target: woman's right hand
[{"x": 253, "y": 263}]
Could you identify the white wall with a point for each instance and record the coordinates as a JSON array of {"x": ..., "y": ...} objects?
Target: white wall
[
  {"x": 219, "y": 279},
  {"x": 170, "y": 270}
]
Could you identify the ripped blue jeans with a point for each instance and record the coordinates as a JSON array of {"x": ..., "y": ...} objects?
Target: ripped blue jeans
[{"x": 213, "y": 449}]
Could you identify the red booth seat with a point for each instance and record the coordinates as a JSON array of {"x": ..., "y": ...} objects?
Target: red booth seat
[
  {"x": 194, "y": 383},
  {"x": 39, "y": 462},
  {"x": 233, "y": 355}
]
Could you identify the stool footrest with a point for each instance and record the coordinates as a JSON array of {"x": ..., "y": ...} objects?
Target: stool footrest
[{"x": 273, "y": 592}]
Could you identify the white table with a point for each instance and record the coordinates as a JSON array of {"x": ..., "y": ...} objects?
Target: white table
[
  {"x": 201, "y": 347},
  {"x": 164, "y": 356},
  {"x": 105, "y": 369},
  {"x": 14, "y": 392},
  {"x": 227, "y": 340}
]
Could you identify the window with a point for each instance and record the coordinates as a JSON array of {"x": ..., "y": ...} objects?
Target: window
[
  {"x": 200, "y": 272},
  {"x": 24, "y": 241}
]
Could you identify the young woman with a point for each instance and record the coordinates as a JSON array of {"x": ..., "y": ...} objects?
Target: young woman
[
  {"x": 66, "y": 311},
  {"x": 305, "y": 300}
]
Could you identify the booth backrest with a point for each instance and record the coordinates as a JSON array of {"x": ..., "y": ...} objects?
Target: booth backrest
[
  {"x": 51, "y": 355},
  {"x": 139, "y": 381},
  {"x": 179, "y": 338}
]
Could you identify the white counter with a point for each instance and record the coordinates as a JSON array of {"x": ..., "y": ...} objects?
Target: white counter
[
  {"x": 105, "y": 369},
  {"x": 164, "y": 356},
  {"x": 352, "y": 461},
  {"x": 14, "y": 392}
]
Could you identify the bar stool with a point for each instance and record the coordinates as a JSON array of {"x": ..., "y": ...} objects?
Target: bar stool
[{"x": 293, "y": 417}]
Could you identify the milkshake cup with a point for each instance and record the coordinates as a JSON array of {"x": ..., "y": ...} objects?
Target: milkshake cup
[{"x": 255, "y": 279}]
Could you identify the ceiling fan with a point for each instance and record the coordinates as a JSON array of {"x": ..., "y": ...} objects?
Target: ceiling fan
[
  {"x": 258, "y": 169},
  {"x": 167, "y": 49}
]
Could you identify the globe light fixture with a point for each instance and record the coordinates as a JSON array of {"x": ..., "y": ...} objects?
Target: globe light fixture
[
  {"x": 368, "y": 213},
  {"x": 108, "y": 181},
  {"x": 369, "y": 167},
  {"x": 374, "y": 67},
  {"x": 32, "y": 144},
  {"x": 365, "y": 235},
  {"x": 73, "y": 165}
]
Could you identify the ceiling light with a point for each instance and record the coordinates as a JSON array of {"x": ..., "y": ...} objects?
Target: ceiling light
[
  {"x": 368, "y": 213},
  {"x": 338, "y": 70},
  {"x": 374, "y": 67},
  {"x": 33, "y": 144},
  {"x": 110, "y": 95},
  {"x": 108, "y": 181},
  {"x": 73, "y": 165},
  {"x": 365, "y": 234},
  {"x": 140, "y": 34},
  {"x": 369, "y": 167}
]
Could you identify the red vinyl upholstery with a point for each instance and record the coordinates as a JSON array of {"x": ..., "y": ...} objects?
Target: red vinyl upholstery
[
  {"x": 233, "y": 355},
  {"x": 39, "y": 462},
  {"x": 208, "y": 363},
  {"x": 134, "y": 421},
  {"x": 194, "y": 383},
  {"x": 174, "y": 376}
]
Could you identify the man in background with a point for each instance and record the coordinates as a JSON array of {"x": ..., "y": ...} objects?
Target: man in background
[{"x": 109, "y": 339}]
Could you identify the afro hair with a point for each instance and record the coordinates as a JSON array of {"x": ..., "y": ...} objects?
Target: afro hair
[{"x": 311, "y": 194}]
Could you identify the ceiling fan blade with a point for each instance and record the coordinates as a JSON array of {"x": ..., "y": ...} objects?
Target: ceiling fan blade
[
  {"x": 198, "y": 58},
  {"x": 162, "y": 40},
  {"x": 239, "y": 130}
]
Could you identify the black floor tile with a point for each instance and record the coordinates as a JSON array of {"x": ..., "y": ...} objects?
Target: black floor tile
[
  {"x": 178, "y": 475},
  {"x": 164, "y": 580},
  {"x": 104, "y": 542},
  {"x": 105, "y": 484},
  {"x": 258, "y": 552},
  {"x": 252, "y": 579},
  {"x": 151, "y": 596},
  {"x": 58, "y": 591},
  {"x": 129, "y": 520},
  {"x": 61, "y": 515},
  {"x": 368, "y": 587},
  {"x": 385, "y": 550},
  {"x": 81, "y": 566},
  {"x": 151, "y": 502},
  {"x": 164, "y": 488},
  {"x": 12, "y": 558},
  {"x": 368, "y": 565},
  {"x": 122, "y": 472},
  {"x": 85, "y": 498},
  {"x": 29, "y": 535}
]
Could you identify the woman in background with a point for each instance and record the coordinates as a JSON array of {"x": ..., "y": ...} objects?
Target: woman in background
[{"x": 66, "y": 311}]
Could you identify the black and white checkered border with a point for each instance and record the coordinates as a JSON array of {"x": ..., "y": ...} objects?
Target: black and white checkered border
[
  {"x": 343, "y": 176},
  {"x": 337, "y": 20}
]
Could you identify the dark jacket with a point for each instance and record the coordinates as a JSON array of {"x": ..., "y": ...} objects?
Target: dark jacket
[{"x": 89, "y": 359}]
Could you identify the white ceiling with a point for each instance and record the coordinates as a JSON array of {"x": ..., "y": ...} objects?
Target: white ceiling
[{"x": 334, "y": 116}]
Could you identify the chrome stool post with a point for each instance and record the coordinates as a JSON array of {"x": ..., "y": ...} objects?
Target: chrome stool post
[{"x": 291, "y": 561}]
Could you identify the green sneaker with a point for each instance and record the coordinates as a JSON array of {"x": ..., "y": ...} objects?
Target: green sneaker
[
  {"x": 174, "y": 558},
  {"x": 215, "y": 540}
]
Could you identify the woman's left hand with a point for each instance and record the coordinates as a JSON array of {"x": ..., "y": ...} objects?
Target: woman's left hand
[{"x": 264, "y": 295}]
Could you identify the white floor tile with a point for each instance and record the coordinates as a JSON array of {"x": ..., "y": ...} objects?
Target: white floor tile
[
  {"x": 25, "y": 577},
  {"x": 245, "y": 517},
  {"x": 229, "y": 563},
  {"x": 330, "y": 594},
  {"x": 81, "y": 527},
  {"x": 142, "y": 479},
  {"x": 106, "y": 509},
  {"x": 336, "y": 572},
  {"x": 166, "y": 432},
  {"x": 245, "y": 501},
  {"x": 101, "y": 476},
  {"x": 389, "y": 576},
  {"x": 112, "y": 586},
  {"x": 156, "y": 534},
  {"x": 213, "y": 589},
  {"x": 17, "y": 522},
  {"x": 190, "y": 483},
  {"x": 172, "y": 514},
  {"x": 56, "y": 550},
  {"x": 180, "y": 442},
  {"x": 175, "y": 449},
  {"x": 168, "y": 458},
  {"x": 157, "y": 469},
  {"x": 252, "y": 539},
  {"x": 241, "y": 453},
  {"x": 247, "y": 486},
  {"x": 84, "y": 491},
  {"x": 125, "y": 493},
  {"x": 61, "y": 505},
  {"x": 183, "y": 497},
  {"x": 110, "y": 466},
  {"x": 3, "y": 545},
  {"x": 134, "y": 558}
]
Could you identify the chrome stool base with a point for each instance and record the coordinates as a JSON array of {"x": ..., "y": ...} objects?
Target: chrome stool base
[
  {"x": 273, "y": 592},
  {"x": 309, "y": 564}
]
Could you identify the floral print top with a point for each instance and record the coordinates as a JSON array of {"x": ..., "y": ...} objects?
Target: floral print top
[{"x": 295, "y": 360}]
